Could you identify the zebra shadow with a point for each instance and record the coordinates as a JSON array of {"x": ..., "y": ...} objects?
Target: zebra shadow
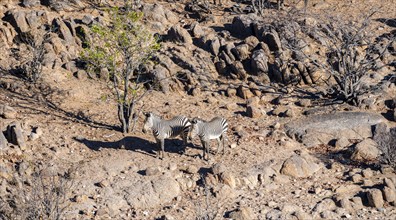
[{"x": 135, "y": 144}]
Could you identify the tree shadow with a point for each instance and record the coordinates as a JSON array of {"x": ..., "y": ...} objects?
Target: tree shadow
[{"x": 135, "y": 144}]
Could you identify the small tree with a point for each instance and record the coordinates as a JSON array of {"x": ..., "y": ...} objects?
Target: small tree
[
  {"x": 33, "y": 56},
  {"x": 121, "y": 47}
]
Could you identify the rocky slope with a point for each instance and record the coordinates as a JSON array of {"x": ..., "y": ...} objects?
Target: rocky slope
[{"x": 289, "y": 156}]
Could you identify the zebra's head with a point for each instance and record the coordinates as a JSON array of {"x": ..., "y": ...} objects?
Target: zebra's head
[
  {"x": 148, "y": 121},
  {"x": 195, "y": 127}
]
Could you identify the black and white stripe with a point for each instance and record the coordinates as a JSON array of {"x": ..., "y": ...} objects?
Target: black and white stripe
[
  {"x": 163, "y": 129},
  {"x": 209, "y": 130}
]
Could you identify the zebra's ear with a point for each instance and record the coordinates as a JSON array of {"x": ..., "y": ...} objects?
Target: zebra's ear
[
  {"x": 194, "y": 121},
  {"x": 147, "y": 114}
]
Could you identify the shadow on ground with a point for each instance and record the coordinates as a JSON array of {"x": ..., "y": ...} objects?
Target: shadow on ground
[{"x": 136, "y": 144}]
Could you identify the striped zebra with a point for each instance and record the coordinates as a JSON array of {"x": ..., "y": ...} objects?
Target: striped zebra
[
  {"x": 209, "y": 130},
  {"x": 163, "y": 129}
]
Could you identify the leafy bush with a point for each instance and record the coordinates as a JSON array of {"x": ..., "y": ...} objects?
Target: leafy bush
[{"x": 121, "y": 47}]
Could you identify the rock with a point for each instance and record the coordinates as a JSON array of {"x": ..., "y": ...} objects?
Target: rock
[
  {"x": 304, "y": 102},
  {"x": 231, "y": 92},
  {"x": 357, "y": 178},
  {"x": 179, "y": 34},
  {"x": 342, "y": 143},
  {"x": 280, "y": 111},
  {"x": 218, "y": 168},
  {"x": 151, "y": 171},
  {"x": 253, "y": 111},
  {"x": 8, "y": 112},
  {"x": 80, "y": 198},
  {"x": 252, "y": 42},
  {"x": 88, "y": 19},
  {"x": 244, "y": 92},
  {"x": 228, "y": 178},
  {"x": 81, "y": 74},
  {"x": 389, "y": 194},
  {"x": 374, "y": 197},
  {"x": 214, "y": 46},
  {"x": 15, "y": 135},
  {"x": 17, "y": 19},
  {"x": 321, "y": 129},
  {"x": 64, "y": 31},
  {"x": 367, "y": 173},
  {"x": 259, "y": 63},
  {"x": 3, "y": 141},
  {"x": 242, "y": 25},
  {"x": 191, "y": 169},
  {"x": 273, "y": 41},
  {"x": 357, "y": 202},
  {"x": 325, "y": 205},
  {"x": 238, "y": 69},
  {"x": 299, "y": 167},
  {"x": 160, "y": 74},
  {"x": 30, "y": 3},
  {"x": 103, "y": 183},
  {"x": 71, "y": 66},
  {"x": 152, "y": 193},
  {"x": 197, "y": 30},
  {"x": 366, "y": 151},
  {"x": 389, "y": 183},
  {"x": 243, "y": 213},
  {"x": 241, "y": 52}
]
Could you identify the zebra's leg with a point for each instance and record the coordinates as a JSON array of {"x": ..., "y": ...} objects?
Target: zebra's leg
[
  {"x": 162, "y": 149},
  {"x": 218, "y": 144},
  {"x": 204, "y": 149},
  {"x": 224, "y": 138}
]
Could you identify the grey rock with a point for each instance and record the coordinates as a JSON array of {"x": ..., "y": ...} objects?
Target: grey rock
[
  {"x": 64, "y": 31},
  {"x": 197, "y": 30},
  {"x": 179, "y": 34},
  {"x": 214, "y": 46},
  {"x": 30, "y": 3},
  {"x": 273, "y": 41},
  {"x": 259, "y": 62},
  {"x": 160, "y": 74},
  {"x": 88, "y": 19},
  {"x": 15, "y": 135},
  {"x": 321, "y": 129},
  {"x": 242, "y": 26},
  {"x": 218, "y": 168}
]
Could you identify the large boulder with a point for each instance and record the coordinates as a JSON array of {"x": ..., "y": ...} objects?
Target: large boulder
[
  {"x": 321, "y": 129},
  {"x": 242, "y": 26},
  {"x": 179, "y": 34},
  {"x": 300, "y": 166},
  {"x": 152, "y": 193}
]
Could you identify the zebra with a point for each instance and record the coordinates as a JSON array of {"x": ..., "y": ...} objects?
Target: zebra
[
  {"x": 209, "y": 130},
  {"x": 163, "y": 129}
]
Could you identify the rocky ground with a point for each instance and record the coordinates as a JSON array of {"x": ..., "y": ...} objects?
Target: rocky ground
[{"x": 289, "y": 156}]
